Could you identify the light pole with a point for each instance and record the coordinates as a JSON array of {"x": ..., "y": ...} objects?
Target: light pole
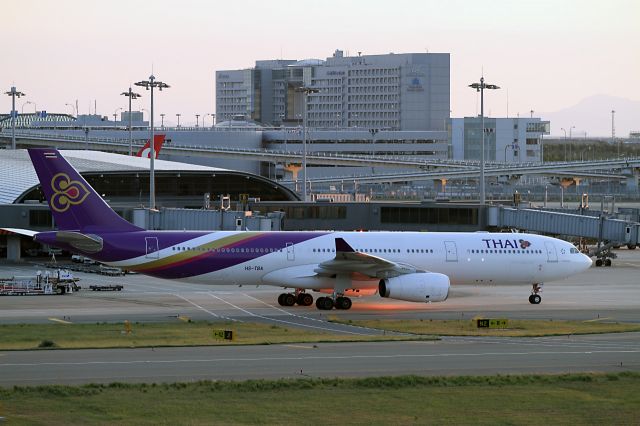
[
  {"x": 115, "y": 115},
  {"x": 373, "y": 140},
  {"x": 571, "y": 142},
  {"x": 565, "y": 143},
  {"x": 131, "y": 95},
  {"x": 305, "y": 91},
  {"x": 73, "y": 108},
  {"x": 14, "y": 114},
  {"x": 178, "y": 115},
  {"x": 505, "y": 151},
  {"x": 213, "y": 120},
  {"x": 613, "y": 130},
  {"x": 151, "y": 84},
  {"x": 35, "y": 107},
  {"x": 480, "y": 88},
  {"x": 197, "y": 120},
  {"x": 162, "y": 121}
]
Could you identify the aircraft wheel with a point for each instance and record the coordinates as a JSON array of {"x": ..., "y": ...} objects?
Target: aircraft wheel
[
  {"x": 531, "y": 299},
  {"x": 289, "y": 299},
  {"x": 305, "y": 299},
  {"x": 535, "y": 299},
  {"x": 324, "y": 303},
  {"x": 343, "y": 303},
  {"x": 631, "y": 246},
  {"x": 598, "y": 262},
  {"x": 281, "y": 299},
  {"x": 607, "y": 262}
]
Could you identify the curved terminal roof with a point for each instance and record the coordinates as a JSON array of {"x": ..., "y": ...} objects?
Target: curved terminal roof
[{"x": 19, "y": 177}]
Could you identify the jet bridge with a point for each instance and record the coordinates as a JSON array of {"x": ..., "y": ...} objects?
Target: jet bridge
[{"x": 608, "y": 230}]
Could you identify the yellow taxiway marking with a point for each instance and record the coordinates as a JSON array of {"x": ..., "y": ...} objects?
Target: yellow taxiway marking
[
  {"x": 598, "y": 319},
  {"x": 183, "y": 318},
  {"x": 60, "y": 321}
]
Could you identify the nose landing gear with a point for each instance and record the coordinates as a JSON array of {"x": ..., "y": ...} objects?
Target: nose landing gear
[{"x": 535, "y": 297}]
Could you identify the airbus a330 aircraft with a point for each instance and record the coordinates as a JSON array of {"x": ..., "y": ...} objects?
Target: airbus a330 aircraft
[{"x": 409, "y": 266}]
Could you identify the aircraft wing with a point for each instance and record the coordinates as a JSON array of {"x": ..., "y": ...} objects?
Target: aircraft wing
[{"x": 348, "y": 260}]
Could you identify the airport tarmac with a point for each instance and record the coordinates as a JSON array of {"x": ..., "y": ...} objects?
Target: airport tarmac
[
  {"x": 606, "y": 292},
  {"x": 450, "y": 356}
]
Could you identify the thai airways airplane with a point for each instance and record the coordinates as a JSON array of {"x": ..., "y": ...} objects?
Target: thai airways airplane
[
  {"x": 145, "y": 151},
  {"x": 409, "y": 266}
]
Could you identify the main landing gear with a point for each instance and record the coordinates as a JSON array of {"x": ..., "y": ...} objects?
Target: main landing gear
[
  {"x": 290, "y": 299},
  {"x": 535, "y": 297},
  {"x": 322, "y": 303},
  {"x": 327, "y": 303}
]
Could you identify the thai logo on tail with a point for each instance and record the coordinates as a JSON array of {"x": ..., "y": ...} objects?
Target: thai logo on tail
[{"x": 66, "y": 192}]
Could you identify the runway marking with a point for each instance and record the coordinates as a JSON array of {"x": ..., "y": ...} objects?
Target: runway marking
[
  {"x": 204, "y": 309},
  {"x": 316, "y": 357},
  {"x": 283, "y": 321},
  {"x": 546, "y": 342},
  {"x": 598, "y": 319},
  {"x": 59, "y": 320},
  {"x": 299, "y": 346}
]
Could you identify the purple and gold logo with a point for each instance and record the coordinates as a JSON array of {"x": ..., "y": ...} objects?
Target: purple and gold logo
[
  {"x": 524, "y": 244},
  {"x": 66, "y": 192}
]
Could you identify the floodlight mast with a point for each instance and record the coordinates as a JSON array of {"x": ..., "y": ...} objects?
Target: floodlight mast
[
  {"x": 480, "y": 88},
  {"x": 131, "y": 95},
  {"x": 151, "y": 84},
  {"x": 306, "y": 91},
  {"x": 13, "y": 93}
]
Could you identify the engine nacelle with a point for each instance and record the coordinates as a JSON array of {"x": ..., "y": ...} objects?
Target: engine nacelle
[{"x": 419, "y": 287}]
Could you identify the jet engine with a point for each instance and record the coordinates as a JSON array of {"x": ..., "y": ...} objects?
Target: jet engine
[{"x": 419, "y": 287}]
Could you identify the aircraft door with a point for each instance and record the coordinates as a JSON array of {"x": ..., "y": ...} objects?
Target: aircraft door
[
  {"x": 291, "y": 255},
  {"x": 451, "y": 251},
  {"x": 552, "y": 255},
  {"x": 152, "y": 248}
]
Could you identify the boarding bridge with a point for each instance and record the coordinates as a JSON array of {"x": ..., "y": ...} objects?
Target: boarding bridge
[{"x": 601, "y": 228}]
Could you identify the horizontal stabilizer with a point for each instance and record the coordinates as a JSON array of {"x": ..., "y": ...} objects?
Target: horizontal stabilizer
[
  {"x": 26, "y": 232},
  {"x": 84, "y": 242}
]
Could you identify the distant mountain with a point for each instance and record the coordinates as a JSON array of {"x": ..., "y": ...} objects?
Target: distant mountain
[{"x": 593, "y": 115}]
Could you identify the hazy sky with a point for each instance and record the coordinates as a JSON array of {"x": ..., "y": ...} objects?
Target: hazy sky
[{"x": 546, "y": 54}]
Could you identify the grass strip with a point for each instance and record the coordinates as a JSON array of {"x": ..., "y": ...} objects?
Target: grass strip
[
  {"x": 176, "y": 333},
  {"x": 479, "y": 400},
  {"x": 515, "y": 328}
]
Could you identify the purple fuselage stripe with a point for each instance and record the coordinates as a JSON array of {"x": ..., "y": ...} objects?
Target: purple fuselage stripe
[{"x": 124, "y": 246}]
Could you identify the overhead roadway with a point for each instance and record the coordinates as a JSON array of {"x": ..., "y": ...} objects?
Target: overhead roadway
[
  {"x": 459, "y": 174},
  {"x": 334, "y": 159},
  {"x": 429, "y": 169}
]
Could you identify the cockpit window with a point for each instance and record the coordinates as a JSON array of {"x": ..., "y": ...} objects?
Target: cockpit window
[{"x": 574, "y": 250}]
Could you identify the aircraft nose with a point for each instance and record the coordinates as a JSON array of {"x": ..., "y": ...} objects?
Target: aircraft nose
[{"x": 586, "y": 262}]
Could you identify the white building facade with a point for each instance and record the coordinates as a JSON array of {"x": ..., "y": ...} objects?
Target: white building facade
[{"x": 509, "y": 140}]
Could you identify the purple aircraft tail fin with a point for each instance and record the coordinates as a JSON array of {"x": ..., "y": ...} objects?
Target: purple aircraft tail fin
[{"x": 74, "y": 203}]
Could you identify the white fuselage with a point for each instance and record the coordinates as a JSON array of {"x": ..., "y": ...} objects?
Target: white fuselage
[{"x": 466, "y": 258}]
